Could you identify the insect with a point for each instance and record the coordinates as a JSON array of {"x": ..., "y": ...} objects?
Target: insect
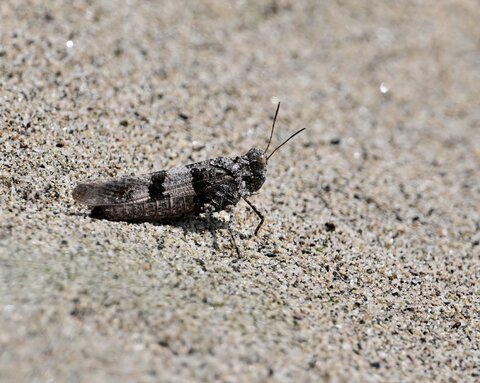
[{"x": 203, "y": 187}]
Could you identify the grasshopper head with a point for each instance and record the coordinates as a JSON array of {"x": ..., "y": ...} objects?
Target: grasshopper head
[
  {"x": 258, "y": 159},
  {"x": 258, "y": 168}
]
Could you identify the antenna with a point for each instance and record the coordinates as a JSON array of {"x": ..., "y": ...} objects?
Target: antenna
[
  {"x": 273, "y": 127},
  {"x": 284, "y": 142}
]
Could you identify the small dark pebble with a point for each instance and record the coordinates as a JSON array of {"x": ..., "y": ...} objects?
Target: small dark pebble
[
  {"x": 163, "y": 343},
  {"x": 375, "y": 364},
  {"x": 183, "y": 116},
  {"x": 335, "y": 141},
  {"x": 124, "y": 123},
  {"x": 456, "y": 325},
  {"x": 329, "y": 226}
]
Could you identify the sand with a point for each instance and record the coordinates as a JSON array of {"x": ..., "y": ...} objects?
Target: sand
[{"x": 368, "y": 264}]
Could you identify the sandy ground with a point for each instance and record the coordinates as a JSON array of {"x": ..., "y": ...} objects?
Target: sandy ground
[{"x": 367, "y": 268}]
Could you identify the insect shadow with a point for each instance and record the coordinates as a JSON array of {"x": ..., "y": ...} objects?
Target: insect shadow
[
  {"x": 200, "y": 225},
  {"x": 197, "y": 225}
]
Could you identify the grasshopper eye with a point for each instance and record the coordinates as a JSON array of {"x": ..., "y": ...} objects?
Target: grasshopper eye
[
  {"x": 262, "y": 161},
  {"x": 257, "y": 158}
]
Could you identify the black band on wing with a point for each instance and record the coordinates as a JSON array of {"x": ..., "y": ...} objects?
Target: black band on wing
[
  {"x": 156, "y": 188},
  {"x": 201, "y": 185}
]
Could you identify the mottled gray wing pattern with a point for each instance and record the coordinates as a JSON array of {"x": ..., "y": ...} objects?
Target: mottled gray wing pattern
[
  {"x": 193, "y": 179},
  {"x": 198, "y": 179},
  {"x": 113, "y": 191}
]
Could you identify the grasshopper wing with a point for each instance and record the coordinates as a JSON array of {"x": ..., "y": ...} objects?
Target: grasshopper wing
[{"x": 114, "y": 191}]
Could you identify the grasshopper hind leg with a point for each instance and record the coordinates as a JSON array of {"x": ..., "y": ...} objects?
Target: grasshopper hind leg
[{"x": 258, "y": 213}]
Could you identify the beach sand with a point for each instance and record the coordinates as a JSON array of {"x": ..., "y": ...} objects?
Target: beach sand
[{"x": 368, "y": 264}]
